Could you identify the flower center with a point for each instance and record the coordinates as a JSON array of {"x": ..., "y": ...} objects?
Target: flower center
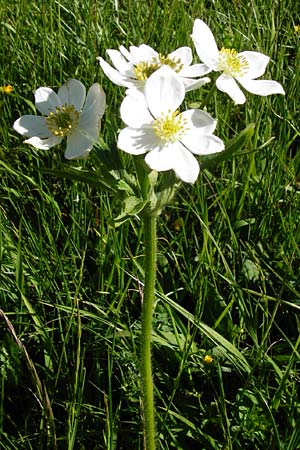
[
  {"x": 175, "y": 64},
  {"x": 231, "y": 63},
  {"x": 63, "y": 121},
  {"x": 144, "y": 69},
  {"x": 170, "y": 127}
]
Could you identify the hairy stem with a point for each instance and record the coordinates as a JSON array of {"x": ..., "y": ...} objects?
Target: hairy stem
[{"x": 147, "y": 317}]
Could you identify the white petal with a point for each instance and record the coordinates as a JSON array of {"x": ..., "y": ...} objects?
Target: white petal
[
  {"x": 198, "y": 119},
  {"x": 113, "y": 74},
  {"x": 137, "y": 141},
  {"x": 228, "y": 85},
  {"x": 134, "y": 110},
  {"x": 134, "y": 54},
  {"x": 199, "y": 144},
  {"x": 118, "y": 60},
  {"x": 44, "y": 144},
  {"x": 262, "y": 87},
  {"x": 90, "y": 132},
  {"x": 46, "y": 100},
  {"x": 72, "y": 93},
  {"x": 191, "y": 84},
  {"x": 30, "y": 126},
  {"x": 142, "y": 53},
  {"x": 78, "y": 146},
  {"x": 205, "y": 43},
  {"x": 164, "y": 91},
  {"x": 183, "y": 54},
  {"x": 139, "y": 87},
  {"x": 257, "y": 64},
  {"x": 162, "y": 159},
  {"x": 176, "y": 157},
  {"x": 88, "y": 136},
  {"x": 125, "y": 52},
  {"x": 196, "y": 70},
  {"x": 185, "y": 165},
  {"x": 93, "y": 110},
  {"x": 95, "y": 99}
]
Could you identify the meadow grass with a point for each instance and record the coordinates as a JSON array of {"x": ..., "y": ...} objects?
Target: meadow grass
[{"x": 228, "y": 248}]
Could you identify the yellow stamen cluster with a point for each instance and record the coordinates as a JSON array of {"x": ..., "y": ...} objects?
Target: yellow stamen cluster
[
  {"x": 63, "y": 121},
  {"x": 231, "y": 63},
  {"x": 175, "y": 64},
  {"x": 170, "y": 127},
  {"x": 144, "y": 69}
]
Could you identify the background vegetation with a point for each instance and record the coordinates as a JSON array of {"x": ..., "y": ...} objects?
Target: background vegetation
[{"x": 228, "y": 266}]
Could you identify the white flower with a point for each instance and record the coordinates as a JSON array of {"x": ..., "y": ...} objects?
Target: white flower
[
  {"x": 156, "y": 127},
  {"x": 244, "y": 67},
  {"x": 133, "y": 67},
  {"x": 68, "y": 113}
]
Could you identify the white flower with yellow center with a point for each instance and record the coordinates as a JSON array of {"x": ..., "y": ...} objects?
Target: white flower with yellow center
[
  {"x": 156, "y": 127},
  {"x": 244, "y": 67},
  {"x": 69, "y": 113},
  {"x": 132, "y": 68}
]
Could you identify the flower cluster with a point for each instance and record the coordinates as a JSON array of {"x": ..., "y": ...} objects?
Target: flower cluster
[{"x": 156, "y": 87}]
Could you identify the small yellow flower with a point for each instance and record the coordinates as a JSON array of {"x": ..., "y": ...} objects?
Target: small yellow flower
[
  {"x": 208, "y": 359},
  {"x": 6, "y": 89},
  {"x": 297, "y": 29}
]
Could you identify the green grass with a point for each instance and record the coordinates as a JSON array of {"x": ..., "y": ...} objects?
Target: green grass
[{"x": 228, "y": 262}]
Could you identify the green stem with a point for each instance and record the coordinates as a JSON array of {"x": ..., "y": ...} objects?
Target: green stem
[{"x": 147, "y": 317}]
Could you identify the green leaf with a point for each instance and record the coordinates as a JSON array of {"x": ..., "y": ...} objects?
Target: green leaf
[
  {"x": 124, "y": 186},
  {"x": 132, "y": 207},
  {"x": 97, "y": 179},
  {"x": 250, "y": 270},
  {"x": 233, "y": 354}
]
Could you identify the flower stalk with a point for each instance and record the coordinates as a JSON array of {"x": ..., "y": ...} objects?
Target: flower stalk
[{"x": 146, "y": 330}]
